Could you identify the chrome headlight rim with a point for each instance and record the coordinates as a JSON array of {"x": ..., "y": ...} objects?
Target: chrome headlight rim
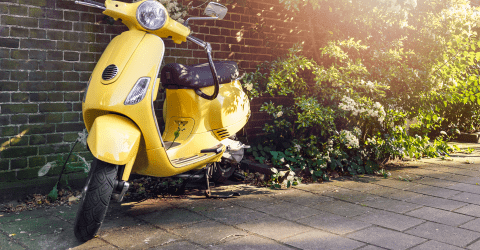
[{"x": 159, "y": 8}]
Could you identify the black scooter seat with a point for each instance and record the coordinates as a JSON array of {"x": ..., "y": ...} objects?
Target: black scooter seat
[{"x": 179, "y": 76}]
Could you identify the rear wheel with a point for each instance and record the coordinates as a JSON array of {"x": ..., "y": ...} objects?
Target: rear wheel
[
  {"x": 95, "y": 198},
  {"x": 222, "y": 171}
]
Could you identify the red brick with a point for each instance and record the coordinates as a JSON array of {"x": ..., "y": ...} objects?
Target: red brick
[{"x": 214, "y": 31}]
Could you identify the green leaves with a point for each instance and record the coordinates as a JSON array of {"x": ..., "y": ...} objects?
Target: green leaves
[{"x": 53, "y": 195}]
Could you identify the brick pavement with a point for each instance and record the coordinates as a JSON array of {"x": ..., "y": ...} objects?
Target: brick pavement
[{"x": 426, "y": 204}]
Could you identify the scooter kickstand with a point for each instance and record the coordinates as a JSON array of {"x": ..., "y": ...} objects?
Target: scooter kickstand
[{"x": 208, "y": 192}]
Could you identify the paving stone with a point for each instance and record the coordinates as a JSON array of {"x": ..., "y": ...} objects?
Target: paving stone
[
  {"x": 354, "y": 185},
  {"x": 254, "y": 201},
  {"x": 349, "y": 195},
  {"x": 391, "y": 205},
  {"x": 178, "y": 245},
  {"x": 473, "y": 225},
  {"x": 233, "y": 214},
  {"x": 61, "y": 240},
  {"x": 466, "y": 188},
  {"x": 395, "y": 183},
  {"x": 7, "y": 218},
  {"x": 382, "y": 191},
  {"x": 317, "y": 188},
  {"x": 140, "y": 208},
  {"x": 202, "y": 203},
  {"x": 389, "y": 220},
  {"x": 314, "y": 239},
  {"x": 292, "y": 193},
  {"x": 431, "y": 244},
  {"x": 436, "y": 182},
  {"x": 7, "y": 243},
  {"x": 209, "y": 232},
  {"x": 172, "y": 218},
  {"x": 342, "y": 208},
  {"x": 35, "y": 226},
  {"x": 472, "y": 210},
  {"x": 463, "y": 179},
  {"x": 250, "y": 242},
  {"x": 274, "y": 227},
  {"x": 386, "y": 238},
  {"x": 440, "y": 216},
  {"x": 289, "y": 211},
  {"x": 443, "y": 233},
  {"x": 403, "y": 195},
  {"x": 95, "y": 244},
  {"x": 474, "y": 246},
  {"x": 434, "y": 191},
  {"x": 444, "y": 176},
  {"x": 445, "y": 204},
  {"x": 66, "y": 213},
  {"x": 119, "y": 221},
  {"x": 304, "y": 198},
  {"x": 370, "y": 247},
  {"x": 334, "y": 223},
  {"x": 139, "y": 237},
  {"x": 466, "y": 172},
  {"x": 467, "y": 197}
]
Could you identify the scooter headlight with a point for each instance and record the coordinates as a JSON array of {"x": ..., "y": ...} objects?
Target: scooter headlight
[
  {"x": 152, "y": 15},
  {"x": 138, "y": 92}
]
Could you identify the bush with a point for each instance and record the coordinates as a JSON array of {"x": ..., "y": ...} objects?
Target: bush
[{"x": 351, "y": 110}]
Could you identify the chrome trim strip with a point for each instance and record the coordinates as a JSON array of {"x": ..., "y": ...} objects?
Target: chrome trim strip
[{"x": 153, "y": 94}]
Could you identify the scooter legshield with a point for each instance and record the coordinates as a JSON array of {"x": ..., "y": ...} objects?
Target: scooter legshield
[{"x": 114, "y": 139}]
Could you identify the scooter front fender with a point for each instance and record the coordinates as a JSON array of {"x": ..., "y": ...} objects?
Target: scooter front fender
[{"x": 114, "y": 139}]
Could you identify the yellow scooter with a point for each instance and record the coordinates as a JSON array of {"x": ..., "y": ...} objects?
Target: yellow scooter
[{"x": 204, "y": 107}]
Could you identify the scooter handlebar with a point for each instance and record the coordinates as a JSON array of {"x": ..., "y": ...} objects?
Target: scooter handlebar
[
  {"x": 91, "y": 3},
  {"x": 208, "y": 49}
]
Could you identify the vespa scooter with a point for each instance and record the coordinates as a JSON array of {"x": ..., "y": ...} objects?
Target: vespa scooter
[{"x": 204, "y": 107}]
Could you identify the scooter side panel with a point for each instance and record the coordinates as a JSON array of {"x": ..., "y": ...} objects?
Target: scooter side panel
[
  {"x": 230, "y": 107},
  {"x": 114, "y": 139}
]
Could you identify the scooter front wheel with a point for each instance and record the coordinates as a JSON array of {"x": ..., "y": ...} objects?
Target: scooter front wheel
[{"x": 95, "y": 199}]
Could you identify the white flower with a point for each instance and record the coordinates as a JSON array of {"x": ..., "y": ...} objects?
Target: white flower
[
  {"x": 297, "y": 147},
  {"x": 249, "y": 86},
  {"x": 274, "y": 170},
  {"x": 282, "y": 160},
  {"x": 279, "y": 113},
  {"x": 82, "y": 137},
  {"x": 349, "y": 139},
  {"x": 443, "y": 132}
]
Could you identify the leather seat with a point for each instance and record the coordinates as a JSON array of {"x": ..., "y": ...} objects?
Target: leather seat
[{"x": 179, "y": 76}]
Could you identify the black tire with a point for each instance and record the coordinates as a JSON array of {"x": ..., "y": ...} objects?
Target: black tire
[
  {"x": 95, "y": 198},
  {"x": 222, "y": 171}
]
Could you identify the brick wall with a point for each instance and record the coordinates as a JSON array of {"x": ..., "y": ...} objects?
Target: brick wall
[{"x": 48, "y": 49}]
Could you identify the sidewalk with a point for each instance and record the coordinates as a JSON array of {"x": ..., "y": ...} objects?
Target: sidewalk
[{"x": 427, "y": 204}]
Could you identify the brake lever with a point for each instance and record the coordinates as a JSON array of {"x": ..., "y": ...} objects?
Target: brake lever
[{"x": 90, "y": 3}]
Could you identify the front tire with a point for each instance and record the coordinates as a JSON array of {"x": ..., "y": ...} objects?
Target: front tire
[{"x": 95, "y": 198}]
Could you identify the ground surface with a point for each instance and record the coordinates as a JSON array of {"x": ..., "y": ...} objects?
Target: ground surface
[{"x": 427, "y": 204}]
